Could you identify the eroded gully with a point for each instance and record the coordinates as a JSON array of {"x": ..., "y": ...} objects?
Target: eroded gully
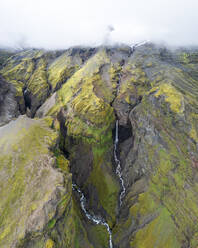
[{"x": 98, "y": 220}]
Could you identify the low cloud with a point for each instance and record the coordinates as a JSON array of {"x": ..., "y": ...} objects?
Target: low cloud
[{"x": 63, "y": 23}]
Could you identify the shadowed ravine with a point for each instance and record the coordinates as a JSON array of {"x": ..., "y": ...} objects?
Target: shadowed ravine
[
  {"x": 95, "y": 219},
  {"x": 98, "y": 220}
]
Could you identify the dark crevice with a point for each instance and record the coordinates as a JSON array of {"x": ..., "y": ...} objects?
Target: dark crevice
[
  {"x": 78, "y": 177},
  {"x": 63, "y": 133},
  {"x": 124, "y": 133},
  {"x": 27, "y": 98}
]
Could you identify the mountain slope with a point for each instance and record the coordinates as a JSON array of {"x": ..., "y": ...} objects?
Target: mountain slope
[{"x": 80, "y": 93}]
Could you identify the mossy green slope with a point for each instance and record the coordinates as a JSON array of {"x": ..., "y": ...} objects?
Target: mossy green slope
[
  {"x": 37, "y": 208},
  {"x": 28, "y": 180},
  {"x": 157, "y": 97},
  {"x": 172, "y": 186},
  {"x": 161, "y": 169},
  {"x": 37, "y": 87},
  {"x": 38, "y": 73},
  {"x": 85, "y": 103},
  {"x": 19, "y": 70},
  {"x": 89, "y": 123},
  {"x": 63, "y": 67}
]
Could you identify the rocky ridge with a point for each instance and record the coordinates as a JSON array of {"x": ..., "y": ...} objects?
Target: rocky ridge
[{"x": 74, "y": 100}]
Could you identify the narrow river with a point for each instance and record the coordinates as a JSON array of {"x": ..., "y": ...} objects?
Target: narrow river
[{"x": 95, "y": 219}]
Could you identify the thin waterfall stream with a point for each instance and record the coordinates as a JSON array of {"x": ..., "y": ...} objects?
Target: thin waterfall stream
[
  {"x": 116, "y": 142},
  {"x": 115, "y": 151},
  {"x": 118, "y": 164},
  {"x": 95, "y": 219}
]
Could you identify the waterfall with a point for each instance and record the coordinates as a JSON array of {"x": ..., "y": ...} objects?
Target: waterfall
[
  {"x": 95, "y": 219},
  {"x": 116, "y": 142},
  {"x": 118, "y": 164},
  {"x": 117, "y": 161}
]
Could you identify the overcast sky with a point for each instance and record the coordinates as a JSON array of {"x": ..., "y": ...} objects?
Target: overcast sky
[{"x": 63, "y": 23}]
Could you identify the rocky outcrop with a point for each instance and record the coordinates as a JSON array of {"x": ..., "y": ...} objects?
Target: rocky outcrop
[
  {"x": 159, "y": 161},
  {"x": 8, "y": 102},
  {"x": 4, "y": 55},
  {"x": 35, "y": 74},
  {"x": 66, "y": 65}
]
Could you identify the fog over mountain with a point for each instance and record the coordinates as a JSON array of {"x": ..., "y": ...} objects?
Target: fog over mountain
[{"x": 62, "y": 23}]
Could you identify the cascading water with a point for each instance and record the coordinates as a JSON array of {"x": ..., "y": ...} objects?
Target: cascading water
[
  {"x": 95, "y": 219},
  {"x": 116, "y": 142},
  {"x": 118, "y": 164},
  {"x": 117, "y": 161}
]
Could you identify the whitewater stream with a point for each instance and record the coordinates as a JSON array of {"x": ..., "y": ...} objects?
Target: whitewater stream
[
  {"x": 118, "y": 164},
  {"x": 95, "y": 219},
  {"x": 115, "y": 151},
  {"x": 116, "y": 142}
]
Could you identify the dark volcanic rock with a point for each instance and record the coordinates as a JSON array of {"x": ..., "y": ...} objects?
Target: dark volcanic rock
[{"x": 8, "y": 103}]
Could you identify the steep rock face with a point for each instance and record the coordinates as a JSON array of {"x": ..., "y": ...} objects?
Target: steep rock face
[
  {"x": 35, "y": 74},
  {"x": 88, "y": 120},
  {"x": 83, "y": 108},
  {"x": 160, "y": 209},
  {"x": 66, "y": 65},
  {"x": 4, "y": 55},
  {"x": 8, "y": 102},
  {"x": 18, "y": 70}
]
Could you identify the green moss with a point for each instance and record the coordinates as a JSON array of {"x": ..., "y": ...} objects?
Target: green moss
[
  {"x": 73, "y": 233},
  {"x": 173, "y": 171},
  {"x": 61, "y": 69},
  {"x": 89, "y": 120},
  {"x": 89, "y": 117},
  {"x": 134, "y": 83},
  {"x": 172, "y": 96},
  {"x": 49, "y": 243},
  {"x": 51, "y": 223},
  {"x": 22, "y": 164},
  {"x": 102, "y": 179},
  {"x": 194, "y": 240},
  {"x": 162, "y": 228},
  {"x": 184, "y": 57},
  {"x": 114, "y": 72},
  {"x": 82, "y": 78},
  {"x": 168, "y": 202},
  {"x": 98, "y": 236},
  {"x": 37, "y": 84},
  {"x": 194, "y": 128},
  {"x": 89, "y": 133},
  {"x": 62, "y": 163},
  {"x": 20, "y": 72}
]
